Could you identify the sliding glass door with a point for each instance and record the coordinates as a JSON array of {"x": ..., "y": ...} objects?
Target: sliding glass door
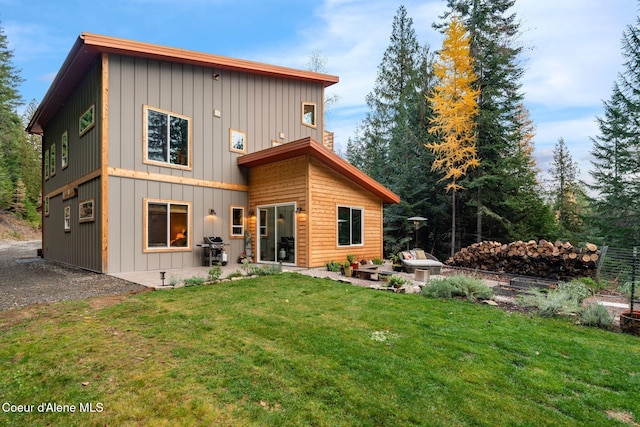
[{"x": 277, "y": 233}]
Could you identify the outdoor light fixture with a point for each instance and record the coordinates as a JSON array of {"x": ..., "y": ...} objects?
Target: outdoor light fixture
[
  {"x": 416, "y": 221},
  {"x": 299, "y": 210},
  {"x": 252, "y": 212},
  {"x": 212, "y": 211}
]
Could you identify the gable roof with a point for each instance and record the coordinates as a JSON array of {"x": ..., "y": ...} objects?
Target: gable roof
[
  {"x": 88, "y": 47},
  {"x": 308, "y": 146}
]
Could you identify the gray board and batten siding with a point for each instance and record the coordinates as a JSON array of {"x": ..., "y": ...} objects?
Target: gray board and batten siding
[
  {"x": 261, "y": 106},
  {"x": 81, "y": 245}
]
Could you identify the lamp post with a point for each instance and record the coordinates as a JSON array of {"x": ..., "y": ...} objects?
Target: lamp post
[{"x": 416, "y": 222}]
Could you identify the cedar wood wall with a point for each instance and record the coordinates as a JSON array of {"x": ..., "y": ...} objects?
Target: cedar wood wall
[{"x": 319, "y": 190}]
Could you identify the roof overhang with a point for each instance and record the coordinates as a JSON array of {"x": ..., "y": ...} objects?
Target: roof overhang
[
  {"x": 308, "y": 146},
  {"x": 89, "y": 46}
]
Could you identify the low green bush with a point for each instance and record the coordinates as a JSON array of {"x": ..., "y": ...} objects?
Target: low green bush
[
  {"x": 195, "y": 281},
  {"x": 333, "y": 266},
  {"x": 596, "y": 315},
  {"x": 378, "y": 261},
  {"x": 552, "y": 303},
  {"x": 625, "y": 288},
  {"x": 236, "y": 273},
  {"x": 215, "y": 273},
  {"x": 396, "y": 281},
  {"x": 467, "y": 287},
  {"x": 594, "y": 285},
  {"x": 265, "y": 270},
  {"x": 576, "y": 289}
]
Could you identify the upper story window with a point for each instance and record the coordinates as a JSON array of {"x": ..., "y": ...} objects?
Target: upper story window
[
  {"x": 167, "y": 138},
  {"x": 87, "y": 120},
  {"x": 349, "y": 226},
  {"x": 309, "y": 114}
]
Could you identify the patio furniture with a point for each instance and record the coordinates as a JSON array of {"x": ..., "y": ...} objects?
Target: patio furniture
[
  {"x": 419, "y": 259},
  {"x": 366, "y": 272}
]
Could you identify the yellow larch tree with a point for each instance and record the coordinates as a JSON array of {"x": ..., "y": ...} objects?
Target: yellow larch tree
[{"x": 454, "y": 101}]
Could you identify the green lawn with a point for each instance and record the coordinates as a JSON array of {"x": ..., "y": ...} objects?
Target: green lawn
[{"x": 294, "y": 350}]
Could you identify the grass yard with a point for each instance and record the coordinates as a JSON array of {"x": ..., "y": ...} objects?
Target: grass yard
[{"x": 294, "y": 350}]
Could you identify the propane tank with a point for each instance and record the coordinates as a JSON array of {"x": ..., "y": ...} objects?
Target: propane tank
[{"x": 224, "y": 257}]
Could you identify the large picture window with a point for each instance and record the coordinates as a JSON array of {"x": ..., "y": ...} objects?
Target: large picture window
[
  {"x": 349, "y": 226},
  {"x": 167, "y": 138},
  {"x": 168, "y": 225}
]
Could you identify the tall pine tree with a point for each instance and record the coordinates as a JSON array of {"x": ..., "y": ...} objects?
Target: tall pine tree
[
  {"x": 616, "y": 155},
  {"x": 389, "y": 142},
  {"x": 566, "y": 190},
  {"x": 496, "y": 193},
  {"x": 20, "y": 179}
]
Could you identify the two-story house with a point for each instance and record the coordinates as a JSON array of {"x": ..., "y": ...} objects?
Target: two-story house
[{"x": 148, "y": 149}]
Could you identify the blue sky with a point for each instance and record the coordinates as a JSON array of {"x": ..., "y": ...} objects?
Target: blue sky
[{"x": 572, "y": 47}]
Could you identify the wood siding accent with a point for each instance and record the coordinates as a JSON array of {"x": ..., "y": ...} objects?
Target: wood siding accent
[
  {"x": 82, "y": 245},
  {"x": 328, "y": 190},
  {"x": 175, "y": 179},
  {"x": 104, "y": 163},
  {"x": 281, "y": 182}
]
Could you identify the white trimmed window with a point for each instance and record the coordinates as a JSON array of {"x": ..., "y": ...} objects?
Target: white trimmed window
[
  {"x": 350, "y": 227},
  {"x": 168, "y": 225},
  {"x": 237, "y": 221},
  {"x": 309, "y": 114},
  {"x": 167, "y": 138}
]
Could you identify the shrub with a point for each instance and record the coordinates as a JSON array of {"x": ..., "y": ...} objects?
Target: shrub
[
  {"x": 194, "y": 281},
  {"x": 553, "y": 303},
  {"x": 594, "y": 285},
  {"x": 396, "y": 281},
  {"x": 236, "y": 273},
  {"x": 215, "y": 273},
  {"x": 266, "y": 270},
  {"x": 333, "y": 266},
  {"x": 626, "y": 289},
  {"x": 575, "y": 288},
  {"x": 596, "y": 315},
  {"x": 458, "y": 286},
  {"x": 378, "y": 261}
]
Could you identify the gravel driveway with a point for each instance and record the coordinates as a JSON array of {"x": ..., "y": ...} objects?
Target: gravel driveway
[{"x": 26, "y": 279}]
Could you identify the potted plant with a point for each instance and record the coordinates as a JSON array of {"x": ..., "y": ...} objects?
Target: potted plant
[
  {"x": 348, "y": 270},
  {"x": 630, "y": 319},
  {"x": 351, "y": 259},
  {"x": 395, "y": 261}
]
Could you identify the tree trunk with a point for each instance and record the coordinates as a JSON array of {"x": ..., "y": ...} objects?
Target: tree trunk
[
  {"x": 453, "y": 223},
  {"x": 479, "y": 219}
]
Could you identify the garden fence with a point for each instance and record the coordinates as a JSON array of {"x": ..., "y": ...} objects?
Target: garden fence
[{"x": 621, "y": 267}]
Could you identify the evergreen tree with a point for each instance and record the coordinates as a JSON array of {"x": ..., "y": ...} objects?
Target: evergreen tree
[
  {"x": 455, "y": 106},
  {"x": 616, "y": 153},
  {"x": 496, "y": 193},
  {"x": 565, "y": 189},
  {"x": 30, "y": 157},
  {"x": 10, "y": 79},
  {"x": 616, "y": 161},
  {"x": 389, "y": 143},
  {"x": 20, "y": 178}
]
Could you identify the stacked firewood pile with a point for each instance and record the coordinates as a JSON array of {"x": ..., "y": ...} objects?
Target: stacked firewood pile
[{"x": 559, "y": 260}]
